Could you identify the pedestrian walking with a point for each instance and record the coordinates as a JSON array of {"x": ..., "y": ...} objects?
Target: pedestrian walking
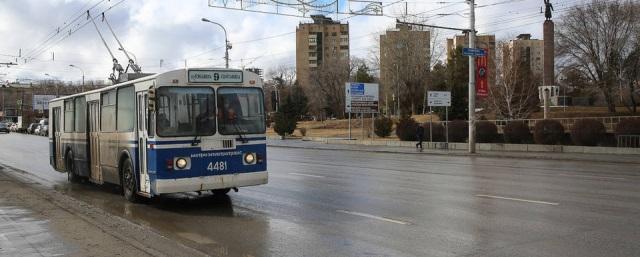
[{"x": 419, "y": 135}]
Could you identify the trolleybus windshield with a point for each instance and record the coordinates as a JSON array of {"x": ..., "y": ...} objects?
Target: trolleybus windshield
[
  {"x": 240, "y": 111},
  {"x": 185, "y": 111}
]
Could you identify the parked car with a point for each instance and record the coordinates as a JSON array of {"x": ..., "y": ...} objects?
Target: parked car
[
  {"x": 37, "y": 130},
  {"x": 44, "y": 130},
  {"x": 4, "y": 128},
  {"x": 32, "y": 127}
]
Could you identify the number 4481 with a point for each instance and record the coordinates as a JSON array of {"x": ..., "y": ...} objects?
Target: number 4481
[{"x": 217, "y": 166}]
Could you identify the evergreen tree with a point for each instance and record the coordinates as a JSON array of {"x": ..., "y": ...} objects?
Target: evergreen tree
[
  {"x": 457, "y": 81},
  {"x": 286, "y": 118}
]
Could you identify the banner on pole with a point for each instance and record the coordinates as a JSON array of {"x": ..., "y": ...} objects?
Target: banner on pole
[{"x": 482, "y": 74}]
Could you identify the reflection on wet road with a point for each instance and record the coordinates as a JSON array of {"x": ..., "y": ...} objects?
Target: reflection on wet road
[
  {"x": 342, "y": 203},
  {"x": 23, "y": 235}
]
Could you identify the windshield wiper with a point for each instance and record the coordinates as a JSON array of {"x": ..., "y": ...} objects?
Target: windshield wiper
[
  {"x": 242, "y": 139},
  {"x": 195, "y": 141}
]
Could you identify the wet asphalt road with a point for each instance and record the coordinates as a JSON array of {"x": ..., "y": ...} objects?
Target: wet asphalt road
[{"x": 346, "y": 203}]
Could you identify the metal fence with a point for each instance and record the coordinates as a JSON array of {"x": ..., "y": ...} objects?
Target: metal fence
[
  {"x": 608, "y": 122},
  {"x": 628, "y": 141}
]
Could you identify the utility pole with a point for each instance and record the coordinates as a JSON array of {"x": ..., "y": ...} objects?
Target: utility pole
[{"x": 472, "y": 78}]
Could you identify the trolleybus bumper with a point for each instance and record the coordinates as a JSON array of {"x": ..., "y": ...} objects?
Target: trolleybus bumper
[{"x": 165, "y": 186}]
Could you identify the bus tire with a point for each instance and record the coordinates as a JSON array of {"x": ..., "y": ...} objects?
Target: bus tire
[
  {"x": 129, "y": 182},
  {"x": 221, "y": 191},
  {"x": 71, "y": 173}
]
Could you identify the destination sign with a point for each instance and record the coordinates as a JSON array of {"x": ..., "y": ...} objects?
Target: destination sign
[{"x": 215, "y": 76}]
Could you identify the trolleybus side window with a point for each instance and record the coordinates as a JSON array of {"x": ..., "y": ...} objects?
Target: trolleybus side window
[
  {"x": 240, "y": 111},
  {"x": 108, "y": 112},
  {"x": 126, "y": 117},
  {"x": 68, "y": 115},
  {"x": 80, "y": 114},
  {"x": 186, "y": 111}
]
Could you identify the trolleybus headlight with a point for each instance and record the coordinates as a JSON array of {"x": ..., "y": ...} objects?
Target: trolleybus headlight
[
  {"x": 181, "y": 163},
  {"x": 249, "y": 158}
]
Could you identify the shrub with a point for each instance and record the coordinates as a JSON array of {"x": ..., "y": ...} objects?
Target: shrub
[
  {"x": 383, "y": 126},
  {"x": 587, "y": 132},
  {"x": 486, "y": 131},
  {"x": 628, "y": 127},
  {"x": 303, "y": 131},
  {"x": 438, "y": 132},
  {"x": 458, "y": 131},
  {"x": 284, "y": 124},
  {"x": 548, "y": 132},
  {"x": 406, "y": 128},
  {"x": 517, "y": 132}
]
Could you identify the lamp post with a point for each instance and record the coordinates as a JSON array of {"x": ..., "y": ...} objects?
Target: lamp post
[
  {"x": 226, "y": 41},
  {"x": 54, "y": 84},
  {"x": 81, "y": 70}
]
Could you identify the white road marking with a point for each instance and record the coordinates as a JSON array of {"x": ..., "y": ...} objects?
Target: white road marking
[
  {"x": 591, "y": 176},
  {"x": 374, "y": 217},
  {"x": 516, "y": 199},
  {"x": 306, "y": 175}
]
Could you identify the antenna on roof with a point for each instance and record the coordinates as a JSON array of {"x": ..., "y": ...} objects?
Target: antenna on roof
[
  {"x": 131, "y": 64},
  {"x": 116, "y": 66}
]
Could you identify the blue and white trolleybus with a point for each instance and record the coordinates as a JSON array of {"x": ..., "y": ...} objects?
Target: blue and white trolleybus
[{"x": 186, "y": 130}]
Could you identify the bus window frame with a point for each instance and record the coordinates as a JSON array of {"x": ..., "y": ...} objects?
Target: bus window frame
[
  {"x": 264, "y": 112},
  {"x": 158, "y": 96}
]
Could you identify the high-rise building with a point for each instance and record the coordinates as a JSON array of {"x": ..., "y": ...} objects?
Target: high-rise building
[
  {"x": 320, "y": 42},
  {"x": 525, "y": 50},
  {"x": 404, "y": 59}
]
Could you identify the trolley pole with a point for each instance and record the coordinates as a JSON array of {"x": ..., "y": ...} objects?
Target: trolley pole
[{"x": 472, "y": 78}]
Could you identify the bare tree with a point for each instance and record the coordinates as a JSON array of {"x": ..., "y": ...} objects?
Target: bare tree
[
  {"x": 595, "y": 37},
  {"x": 283, "y": 75},
  {"x": 326, "y": 94},
  {"x": 404, "y": 66},
  {"x": 514, "y": 95},
  {"x": 631, "y": 78}
]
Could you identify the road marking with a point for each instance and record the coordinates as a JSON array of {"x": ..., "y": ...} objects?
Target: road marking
[
  {"x": 306, "y": 175},
  {"x": 516, "y": 199},
  {"x": 591, "y": 176},
  {"x": 374, "y": 217}
]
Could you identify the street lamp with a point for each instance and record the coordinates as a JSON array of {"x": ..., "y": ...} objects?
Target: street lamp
[
  {"x": 54, "y": 84},
  {"x": 226, "y": 41},
  {"x": 81, "y": 70}
]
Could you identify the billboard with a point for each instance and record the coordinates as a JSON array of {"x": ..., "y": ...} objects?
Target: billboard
[
  {"x": 41, "y": 102},
  {"x": 361, "y": 98},
  {"x": 439, "y": 98}
]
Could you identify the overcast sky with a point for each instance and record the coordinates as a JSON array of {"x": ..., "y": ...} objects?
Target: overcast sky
[{"x": 171, "y": 31}]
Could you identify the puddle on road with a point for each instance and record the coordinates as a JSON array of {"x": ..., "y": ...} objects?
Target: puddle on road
[{"x": 23, "y": 235}]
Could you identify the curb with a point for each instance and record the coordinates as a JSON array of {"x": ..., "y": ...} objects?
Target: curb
[{"x": 480, "y": 154}]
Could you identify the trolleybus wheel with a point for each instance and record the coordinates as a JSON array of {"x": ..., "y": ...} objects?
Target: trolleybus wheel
[
  {"x": 71, "y": 174},
  {"x": 222, "y": 191},
  {"x": 129, "y": 182}
]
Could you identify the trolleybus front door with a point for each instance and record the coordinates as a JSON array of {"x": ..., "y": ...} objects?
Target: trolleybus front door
[
  {"x": 145, "y": 184},
  {"x": 94, "y": 143}
]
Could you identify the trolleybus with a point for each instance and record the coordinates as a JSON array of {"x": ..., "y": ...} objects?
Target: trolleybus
[{"x": 187, "y": 130}]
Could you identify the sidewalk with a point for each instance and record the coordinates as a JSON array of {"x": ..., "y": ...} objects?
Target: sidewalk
[
  {"x": 298, "y": 143},
  {"x": 37, "y": 221}
]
